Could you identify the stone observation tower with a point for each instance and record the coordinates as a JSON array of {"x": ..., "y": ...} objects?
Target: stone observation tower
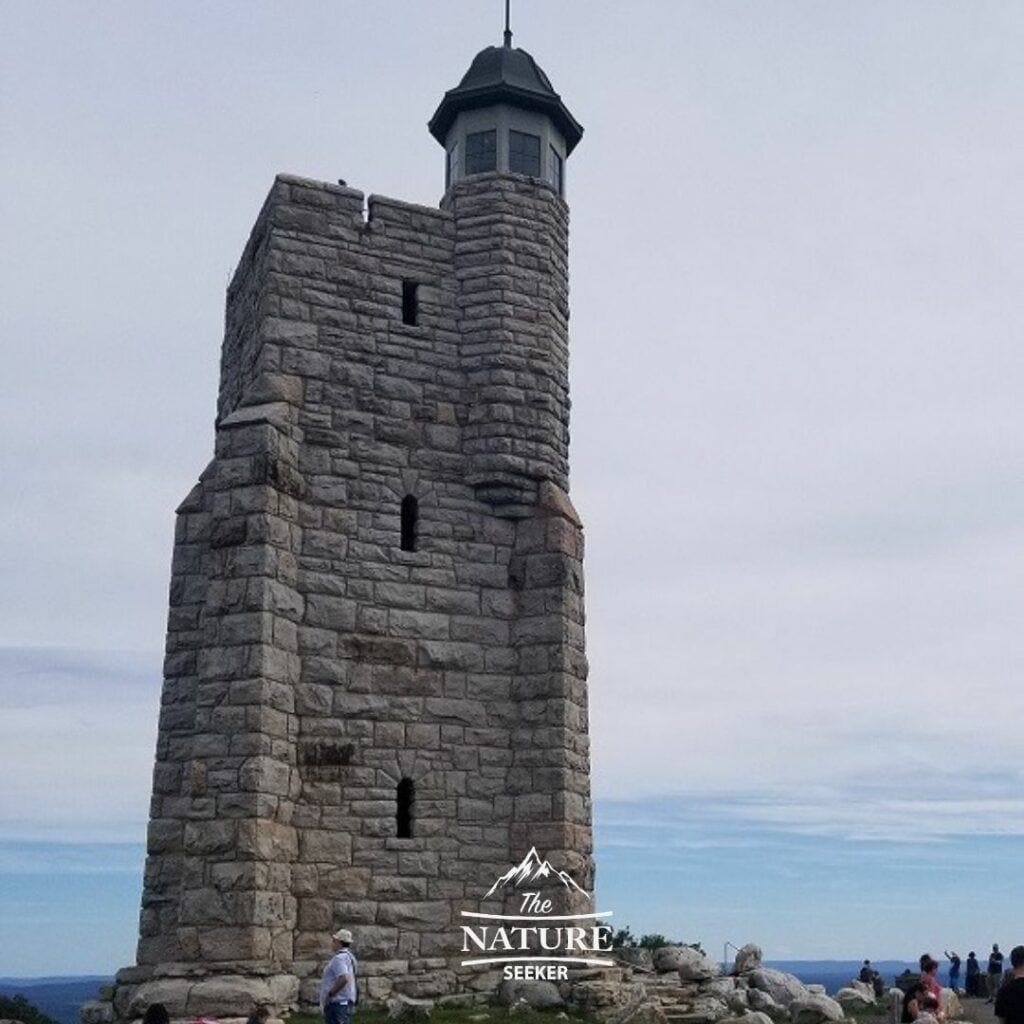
[{"x": 375, "y": 690}]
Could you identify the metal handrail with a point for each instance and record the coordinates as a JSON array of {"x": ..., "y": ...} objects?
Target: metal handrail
[{"x": 725, "y": 954}]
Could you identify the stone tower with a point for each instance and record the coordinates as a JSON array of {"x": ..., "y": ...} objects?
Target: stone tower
[{"x": 375, "y": 685}]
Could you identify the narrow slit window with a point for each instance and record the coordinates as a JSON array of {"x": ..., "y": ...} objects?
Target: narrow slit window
[
  {"x": 405, "y": 805},
  {"x": 410, "y": 517},
  {"x": 410, "y": 303}
]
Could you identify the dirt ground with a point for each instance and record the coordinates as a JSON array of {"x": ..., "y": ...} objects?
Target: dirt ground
[{"x": 978, "y": 1011}]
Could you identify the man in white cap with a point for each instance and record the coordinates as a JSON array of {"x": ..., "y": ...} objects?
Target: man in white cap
[{"x": 338, "y": 987}]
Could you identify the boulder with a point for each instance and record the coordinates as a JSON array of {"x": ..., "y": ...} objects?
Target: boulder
[
  {"x": 96, "y": 1011},
  {"x": 722, "y": 987},
  {"x": 950, "y": 1005},
  {"x": 762, "y": 1002},
  {"x": 748, "y": 957},
  {"x": 782, "y": 987},
  {"x": 697, "y": 966},
  {"x": 226, "y": 996},
  {"x": 707, "y": 1009},
  {"x": 601, "y": 998},
  {"x": 691, "y": 964},
  {"x": 813, "y": 1009},
  {"x": 172, "y": 992},
  {"x": 634, "y": 956},
  {"x": 738, "y": 1002},
  {"x": 409, "y": 1011},
  {"x": 648, "y": 1012},
  {"x": 863, "y": 987},
  {"x": 853, "y": 999},
  {"x": 816, "y": 990},
  {"x": 748, "y": 1018},
  {"x": 540, "y": 995}
]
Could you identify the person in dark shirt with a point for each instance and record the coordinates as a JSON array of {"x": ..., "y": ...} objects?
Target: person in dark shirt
[
  {"x": 865, "y": 973},
  {"x": 973, "y": 975},
  {"x": 995, "y": 972},
  {"x": 1010, "y": 1000}
]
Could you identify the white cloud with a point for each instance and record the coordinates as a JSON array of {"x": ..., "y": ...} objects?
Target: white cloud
[
  {"x": 78, "y": 732},
  {"x": 797, "y": 370}
]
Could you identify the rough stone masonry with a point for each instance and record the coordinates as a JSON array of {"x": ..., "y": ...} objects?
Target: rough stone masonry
[{"x": 375, "y": 684}]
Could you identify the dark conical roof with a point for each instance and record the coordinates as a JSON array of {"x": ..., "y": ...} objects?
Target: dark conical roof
[{"x": 505, "y": 74}]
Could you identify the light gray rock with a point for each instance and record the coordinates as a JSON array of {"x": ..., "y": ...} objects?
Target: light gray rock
[
  {"x": 764, "y": 1003},
  {"x": 851, "y": 998},
  {"x": 697, "y": 966},
  {"x": 817, "y": 990},
  {"x": 738, "y": 1002},
  {"x": 721, "y": 986},
  {"x": 690, "y": 963},
  {"x": 96, "y": 1011},
  {"x": 706, "y": 1009},
  {"x": 748, "y": 958},
  {"x": 748, "y": 1018},
  {"x": 814, "y": 1009},
  {"x": 647, "y": 1012},
  {"x": 635, "y": 956},
  {"x": 782, "y": 987},
  {"x": 172, "y": 992},
  {"x": 540, "y": 995}
]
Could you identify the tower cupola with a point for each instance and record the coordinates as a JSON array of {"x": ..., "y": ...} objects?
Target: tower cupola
[{"x": 505, "y": 116}]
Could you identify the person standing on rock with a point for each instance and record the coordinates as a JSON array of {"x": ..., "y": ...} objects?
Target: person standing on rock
[
  {"x": 995, "y": 971},
  {"x": 954, "y": 971},
  {"x": 338, "y": 995},
  {"x": 1010, "y": 1000},
  {"x": 973, "y": 985}
]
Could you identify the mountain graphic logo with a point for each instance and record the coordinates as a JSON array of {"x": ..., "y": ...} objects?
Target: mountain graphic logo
[{"x": 531, "y": 870}]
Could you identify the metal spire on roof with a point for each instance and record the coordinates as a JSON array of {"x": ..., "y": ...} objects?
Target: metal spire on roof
[{"x": 508, "y": 31}]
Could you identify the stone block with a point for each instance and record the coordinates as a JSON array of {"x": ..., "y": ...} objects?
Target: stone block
[{"x": 327, "y": 847}]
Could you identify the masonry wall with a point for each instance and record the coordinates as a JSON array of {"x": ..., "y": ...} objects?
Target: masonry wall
[{"x": 312, "y": 663}]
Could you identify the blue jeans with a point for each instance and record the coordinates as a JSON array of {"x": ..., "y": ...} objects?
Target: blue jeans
[{"x": 338, "y": 1012}]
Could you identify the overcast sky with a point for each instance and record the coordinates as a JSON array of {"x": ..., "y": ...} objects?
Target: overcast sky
[{"x": 797, "y": 368}]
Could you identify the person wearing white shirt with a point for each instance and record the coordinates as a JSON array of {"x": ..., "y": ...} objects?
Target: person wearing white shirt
[{"x": 338, "y": 988}]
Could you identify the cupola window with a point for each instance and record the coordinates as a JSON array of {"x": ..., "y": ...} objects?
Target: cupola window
[
  {"x": 557, "y": 179},
  {"x": 524, "y": 153},
  {"x": 451, "y": 172},
  {"x": 481, "y": 152}
]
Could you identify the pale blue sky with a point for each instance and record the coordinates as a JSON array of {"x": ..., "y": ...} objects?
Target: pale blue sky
[{"x": 797, "y": 270}]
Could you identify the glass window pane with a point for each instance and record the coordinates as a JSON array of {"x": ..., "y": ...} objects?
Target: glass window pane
[
  {"x": 524, "y": 153},
  {"x": 556, "y": 170},
  {"x": 452, "y": 166},
  {"x": 481, "y": 152}
]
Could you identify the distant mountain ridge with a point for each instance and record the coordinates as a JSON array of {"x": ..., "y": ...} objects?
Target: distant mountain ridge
[
  {"x": 58, "y": 996},
  {"x": 533, "y": 869}
]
